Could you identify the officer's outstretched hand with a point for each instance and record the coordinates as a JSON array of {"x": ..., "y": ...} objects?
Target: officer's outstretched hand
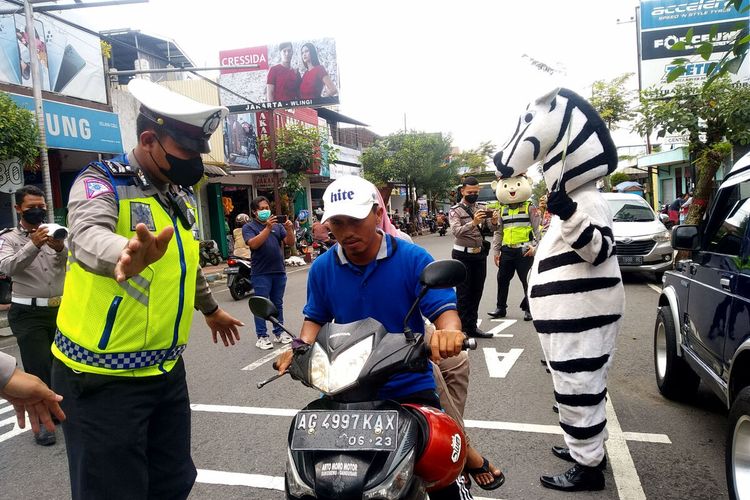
[
  {"x": 142, "y": 250},
  {"x": 28, "y": 394},
  {"x": 225, "y": 325}
]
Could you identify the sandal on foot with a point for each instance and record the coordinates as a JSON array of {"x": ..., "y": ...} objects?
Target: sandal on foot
[{"x": 485, "y": 469}]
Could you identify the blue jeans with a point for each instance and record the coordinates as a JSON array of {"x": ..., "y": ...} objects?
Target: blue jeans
[{"x": 270, "y": 286}]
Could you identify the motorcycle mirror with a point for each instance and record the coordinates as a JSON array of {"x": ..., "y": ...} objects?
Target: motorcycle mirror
[
  {"x": 262, "y": 307},
  {"x": 443, "y": 274}
]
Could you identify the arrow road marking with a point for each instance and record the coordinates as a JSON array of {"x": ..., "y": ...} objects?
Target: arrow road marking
[
  {"x": 504, "y": 323},
  {"x": 500, "y": 363}
]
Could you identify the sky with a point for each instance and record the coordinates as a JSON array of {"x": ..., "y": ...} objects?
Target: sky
[{"x": 461, "y": 68}]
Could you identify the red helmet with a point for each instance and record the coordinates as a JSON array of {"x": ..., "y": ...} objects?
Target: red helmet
[{"x": 444, "y": 453}]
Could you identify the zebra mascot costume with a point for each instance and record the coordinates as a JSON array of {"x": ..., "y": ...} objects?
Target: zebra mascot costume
[{"x": 576, "y": 293}]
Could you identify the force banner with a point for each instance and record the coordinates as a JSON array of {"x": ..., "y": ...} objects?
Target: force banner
[{"x": 287, "y": 74}]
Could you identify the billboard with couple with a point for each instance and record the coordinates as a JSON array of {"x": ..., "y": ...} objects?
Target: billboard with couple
[{"x": 286, "y": 75}]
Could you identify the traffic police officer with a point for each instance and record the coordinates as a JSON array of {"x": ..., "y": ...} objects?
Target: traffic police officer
[
  {"x": 468, "y": 224},
  {"x": 128, "y": 305},
  {"x": 36, "y": 262}
]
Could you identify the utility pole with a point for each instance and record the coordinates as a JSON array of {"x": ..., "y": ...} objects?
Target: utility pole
[{"x": 39, "y": 107}]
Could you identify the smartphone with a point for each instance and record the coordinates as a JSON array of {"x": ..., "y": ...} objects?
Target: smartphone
[
  {"x": 72, "y": 64},
  {"x": 281, "y": 219},
  {"x": 56, "y": 40}
]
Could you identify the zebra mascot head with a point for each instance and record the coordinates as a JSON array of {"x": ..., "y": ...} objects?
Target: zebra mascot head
[{"x": 549, "y": 123}]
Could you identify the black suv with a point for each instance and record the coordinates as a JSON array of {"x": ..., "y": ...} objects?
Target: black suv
[{"x": 702, "y": 327}]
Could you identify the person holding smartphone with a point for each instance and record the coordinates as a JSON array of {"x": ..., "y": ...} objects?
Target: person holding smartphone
[{"x": 266, "y": 238}]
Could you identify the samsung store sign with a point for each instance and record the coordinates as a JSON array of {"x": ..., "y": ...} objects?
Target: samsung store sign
[{"x": 77, "y": 128}]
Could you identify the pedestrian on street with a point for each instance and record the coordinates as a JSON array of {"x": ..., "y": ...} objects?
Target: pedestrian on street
[
  {"x": 126, "y": 312},
  {"x": 266, "y": 239},
  {"x": 36, "y": 263},
  {"x": 469, "y": 226},
  {"x": 389, "y": 267},
  {"x": 29, "y": 395},
  {"x": 240, "y": 247},
  {"x": 515, "y": 240}
]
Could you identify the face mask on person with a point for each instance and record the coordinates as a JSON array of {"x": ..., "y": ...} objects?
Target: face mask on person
[
  {"x": 472, "y": 198},
  {"x": 34, "y": 216},
  {"x": 263, "y": 215},
  {"x": 181, "y": 172}
]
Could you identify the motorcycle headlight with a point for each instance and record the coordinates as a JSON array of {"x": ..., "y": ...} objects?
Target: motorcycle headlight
[
  {"x": 297, "y": 487},
  {"x": 394, "y": 486},
  {"x": 662, "y": 237},
  {"x": 332, "y": 377}
]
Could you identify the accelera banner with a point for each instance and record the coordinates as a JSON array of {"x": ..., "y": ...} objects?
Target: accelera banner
[
  {"x": 663, "y": 23},
  {"x": 287, "y": 75},
  {"x": 70, "y": 60},
  {"x": 77, "y": 128}
]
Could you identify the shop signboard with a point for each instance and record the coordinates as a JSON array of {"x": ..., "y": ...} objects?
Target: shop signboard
[
  {"x": 76, "y": 127},
  {"x": 288, "y": 74},
  {"x": 70, "y": 60},
  {"x": 663, "y": 23},
  {"x": 264, "y": 181}
]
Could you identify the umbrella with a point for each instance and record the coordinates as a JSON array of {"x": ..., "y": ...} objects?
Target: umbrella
[{"x": 623, "y": 186}]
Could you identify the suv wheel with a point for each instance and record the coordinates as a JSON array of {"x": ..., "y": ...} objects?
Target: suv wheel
[
  {"x": 738, "y": 447},
  {"x": 675, "y": 379}
]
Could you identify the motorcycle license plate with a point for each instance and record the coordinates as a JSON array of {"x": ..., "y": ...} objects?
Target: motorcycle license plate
[
  {"x": 630, "y": 260},
  {"x": 231, "y": 270},
  {"x": 346, "y": 430}
]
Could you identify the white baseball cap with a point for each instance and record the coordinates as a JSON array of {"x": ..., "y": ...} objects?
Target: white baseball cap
[{"x": 350, "y": 195}]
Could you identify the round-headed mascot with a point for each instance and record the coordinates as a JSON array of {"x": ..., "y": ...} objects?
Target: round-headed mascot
[{"x": 515, "y": 240}]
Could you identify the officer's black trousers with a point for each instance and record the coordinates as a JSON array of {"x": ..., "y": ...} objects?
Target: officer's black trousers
[
  {"x": 127, "y": 438},
  {"x": 34, "y": 329},
  {"x": 470, "y": 291},
  {"x": 513, "y": 262}
]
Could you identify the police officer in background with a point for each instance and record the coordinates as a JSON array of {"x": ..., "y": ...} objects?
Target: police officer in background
[
  {"x": 36, "y": 262},
  {"x": 469, "y": 246},
  {"x": 125, "y": 318}
]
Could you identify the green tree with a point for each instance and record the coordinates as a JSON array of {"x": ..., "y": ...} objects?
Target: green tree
[
  {"x": 417, "y": 160},
  {"x": 475, "y": 160},
  {"x": 613, "y": 101},
  {"x": 714, "y": 117},
  {"x": 538, "y": 189},
  {"x": 617, "y": 177},
  {"x": 19, "y": 135},
  {"x": 730, "y": 62}
]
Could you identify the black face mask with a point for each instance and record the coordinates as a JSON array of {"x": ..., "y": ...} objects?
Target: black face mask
[
  {"x": 471, "y": 198},
  {"x": 181, "y": 172},
  {"x": 34, "y": 216}
]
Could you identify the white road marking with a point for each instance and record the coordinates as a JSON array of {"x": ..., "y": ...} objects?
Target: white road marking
[
  {"x": 504, "y": 323},
  {"x": 655, "y": 288},
  {"x": 265, "y": 359},
  {"x": 623, "y": 469},
  {"x": 500, "y": 363},
  {"x": 477, "y": 424},
  {"x": 15, "y": 431},
  {"x": 240, "y": 479},
  {"x": 6, "y": 408}
]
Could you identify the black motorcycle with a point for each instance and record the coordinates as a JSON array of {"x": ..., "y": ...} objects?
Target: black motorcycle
[
  {"x": 238, "y": 277},
  {"x": 347, "y": 443}
]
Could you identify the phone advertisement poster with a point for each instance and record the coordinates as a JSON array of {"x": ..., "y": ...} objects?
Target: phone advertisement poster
[
  {"x": 70, "y": 60},
  {"x": 286, "y": 75}
]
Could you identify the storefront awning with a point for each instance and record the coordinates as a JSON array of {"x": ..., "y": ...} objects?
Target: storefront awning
[{"x": 214, "y": 171}]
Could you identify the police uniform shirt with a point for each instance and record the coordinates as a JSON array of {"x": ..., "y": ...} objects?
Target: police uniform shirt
[
  {"x": 466, "y": 234},
  {"x": 36, "y": 272},
  {"x": 93, "y": 242},
  {"x": 497, "y": 238}
]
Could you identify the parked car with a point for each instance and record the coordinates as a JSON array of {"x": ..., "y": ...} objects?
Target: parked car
[
  {"x": 702, "y": 330},
  {"x": 642, "y": 239}
]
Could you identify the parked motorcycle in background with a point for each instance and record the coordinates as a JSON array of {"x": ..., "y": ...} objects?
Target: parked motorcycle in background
[
  {"x": 209, "y": 253},
  {"x": 347, "y": 443},
  {"x": 238, "y": 277}
]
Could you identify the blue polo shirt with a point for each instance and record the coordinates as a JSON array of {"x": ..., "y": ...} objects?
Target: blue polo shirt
[
  {"x": 384, "y": 290},
  {"x": 269, "y": 257}
]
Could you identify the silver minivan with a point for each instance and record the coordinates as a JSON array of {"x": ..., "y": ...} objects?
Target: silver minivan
[{"x": 643, "y": 242}]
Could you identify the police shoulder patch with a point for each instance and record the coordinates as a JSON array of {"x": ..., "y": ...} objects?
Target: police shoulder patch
[{"x": 96, "y": 187}]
